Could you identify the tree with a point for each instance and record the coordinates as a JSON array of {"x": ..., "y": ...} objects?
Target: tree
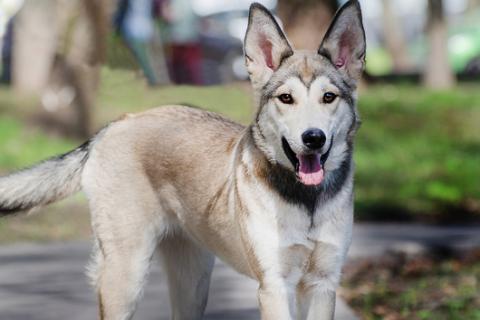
[
  {"x": 68, "y": 39},
  {"x": 395, "y": 39},
  {"x": 437, "y": 74},
  {"x": 33, "y": 27},
  {"x": 306, "y": 21},
  {"x": 473, "y": 4}
]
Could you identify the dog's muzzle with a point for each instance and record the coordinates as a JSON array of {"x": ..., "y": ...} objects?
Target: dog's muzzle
[{"x": 309, "y": 167}]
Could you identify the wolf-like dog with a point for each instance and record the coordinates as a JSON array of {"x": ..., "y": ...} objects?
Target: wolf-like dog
[{"x": 273, "y": 199}]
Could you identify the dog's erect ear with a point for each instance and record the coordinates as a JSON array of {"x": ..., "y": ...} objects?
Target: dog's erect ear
[
  {"x": 265, "y": 44},
  {"x": 344, "y": 43}
]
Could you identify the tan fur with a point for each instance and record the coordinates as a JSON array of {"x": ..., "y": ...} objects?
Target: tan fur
[
  {"x": 295, "y": 256},
  {"x": 306, "y": 73}
]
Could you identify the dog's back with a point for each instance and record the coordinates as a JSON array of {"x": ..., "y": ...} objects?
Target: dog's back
[
  {"x": 177, "y": 147},
  {"x": 167, "y": 142}
]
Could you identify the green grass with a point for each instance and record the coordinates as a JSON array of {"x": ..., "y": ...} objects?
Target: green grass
[
  {"x": 21, "y": 146},
  {"x": 123, "y": 91},
  {"x": 417, "y": 153}
]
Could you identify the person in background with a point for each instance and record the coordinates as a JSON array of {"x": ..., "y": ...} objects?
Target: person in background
[
  {"x": 7, "y": 46},
  {"x": 183, "y": 27},
  {"x": 134, "y": 21}
]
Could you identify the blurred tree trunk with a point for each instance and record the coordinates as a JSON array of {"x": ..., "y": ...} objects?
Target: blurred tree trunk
[
  {"x": 437, "y": 74},
  {"x": 306, "y": 21},
  {"x": 84, "y": 50},
  {"x": 68, "y": 38},
  {"x": 395, "y": 39},
  {"x": 473, "y": 4},
  {"x": 156, "y": 50},
  {"x": 35, "y": 31}
]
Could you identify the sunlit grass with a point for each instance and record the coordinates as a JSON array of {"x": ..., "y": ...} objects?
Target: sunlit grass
[
  {"x": 21, "y": 146},
  {"x": 124, "y": 91}
]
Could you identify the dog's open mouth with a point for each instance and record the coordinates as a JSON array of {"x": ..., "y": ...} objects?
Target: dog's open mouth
[{"x": 308, "y": 167}]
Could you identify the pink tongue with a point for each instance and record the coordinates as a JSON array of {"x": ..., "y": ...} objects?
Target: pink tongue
[{"x": 310, "y": 171}]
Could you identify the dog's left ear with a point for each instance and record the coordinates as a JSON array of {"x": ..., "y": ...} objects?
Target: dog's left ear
[
  {"x": 344, "y": 43},
  {"x": 265, "y": 45}
]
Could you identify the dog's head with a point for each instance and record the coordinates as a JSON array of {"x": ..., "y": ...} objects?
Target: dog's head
[{"x": 307, "y": 115}]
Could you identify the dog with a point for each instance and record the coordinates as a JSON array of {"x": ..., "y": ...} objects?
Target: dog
[{"x": 273, "y": 199}]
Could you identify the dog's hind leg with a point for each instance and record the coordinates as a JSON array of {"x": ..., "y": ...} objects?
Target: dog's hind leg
[
  {"x": 127, "y": 221},
  {"x": 189, "y": 268},
  {"x": 127, "y": 234},
  {"x": 123, "y": 264}
]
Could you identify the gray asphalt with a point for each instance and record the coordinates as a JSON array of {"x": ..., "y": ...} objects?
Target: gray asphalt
[
  {"x": 370, "y": 240},
  {"x": 47, "y": 282}
]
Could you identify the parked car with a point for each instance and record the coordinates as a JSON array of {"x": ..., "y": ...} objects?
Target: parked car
[
  {"x": 222, "y": 49},
  {"x": 223, "y": 26}
]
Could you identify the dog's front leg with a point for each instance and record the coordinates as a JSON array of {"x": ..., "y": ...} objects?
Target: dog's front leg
[
  {"x": 316, "y": 289},
  {"x": 275, "y": 301},
  {"x": 317, "y": 304}
]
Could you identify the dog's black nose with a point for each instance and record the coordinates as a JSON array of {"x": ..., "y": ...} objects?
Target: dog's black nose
[{"x": 314, "y": 138}]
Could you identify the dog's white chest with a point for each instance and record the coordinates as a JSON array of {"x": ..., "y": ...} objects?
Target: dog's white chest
[{"x": 291, "y": 245}]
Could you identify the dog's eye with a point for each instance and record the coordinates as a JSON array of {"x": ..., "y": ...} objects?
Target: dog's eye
[
  {"x": 286, "y": 98},
  {"x": 329, "y": 97}
]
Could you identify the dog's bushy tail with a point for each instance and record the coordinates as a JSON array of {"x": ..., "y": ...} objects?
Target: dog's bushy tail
[{"x": 43, "y": 183}]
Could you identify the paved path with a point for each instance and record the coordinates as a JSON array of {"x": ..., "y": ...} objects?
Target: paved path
[
  {"x": 47, "y": 282},
  {"x": 374, "y": 239}
]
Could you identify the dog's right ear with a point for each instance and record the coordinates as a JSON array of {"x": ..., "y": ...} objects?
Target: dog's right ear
[{"x": 265, "y": 44}]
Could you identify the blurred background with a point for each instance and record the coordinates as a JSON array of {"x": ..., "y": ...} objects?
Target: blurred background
[{"x": 69, "y": 67}]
